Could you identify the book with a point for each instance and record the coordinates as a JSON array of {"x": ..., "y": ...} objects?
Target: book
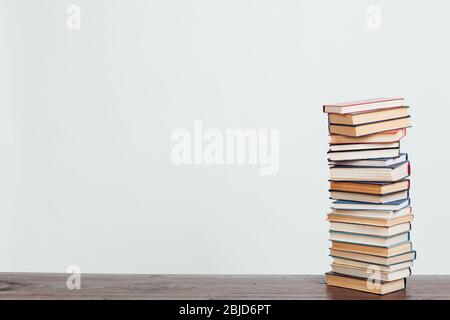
[
  {"x": 370, "y": 221},
  {"x": 363, "y": 105},
  {"x": 373, "y": 250},
  {"x": 382, "y": 288},
  {"x": 368, "y": 239},
  {"x": 370, "y": 230},
  {"x": 363, "y": 154},
  {"x": 376, "y": 188},
  {"x": 353, "y": 205},
  {"x": 371, "y": 272},
  {"x": 380, "y": 162},
  {"x": 363, "y": 146},
  {"x": 370, "y": 128},
  {"x": 368, "y": 258},
  {"x": 371, "y": 198},
  {"x": 365, "y": 265},
  {"x": 378, "y": 214},
  {"x": 382, "y": 137},
  {"x": 358, "y": 118},
  {"x": 370, "y": 174}
]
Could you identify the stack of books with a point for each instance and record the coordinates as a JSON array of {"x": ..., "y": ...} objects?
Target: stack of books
[{"x": 369, "y": 186}]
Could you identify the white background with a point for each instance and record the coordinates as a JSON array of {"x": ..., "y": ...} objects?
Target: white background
[{"x": 86, "y": 118}]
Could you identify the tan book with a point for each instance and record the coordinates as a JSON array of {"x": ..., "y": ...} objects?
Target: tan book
[
  {"x": 366, "y": 129},
  {"x": 370, "y": 221},
  {"x": 386, "y": 261},
  {"x": 381, "y": 288},
  {"x": 382, "y": 137},
  {"x": 363, "y": 105},
  {"x": 368, "y": 117},
  {"x": 370, "y": 266},
  {"x": 373, "y": 250},
  {"x": 370, "y": 188}
]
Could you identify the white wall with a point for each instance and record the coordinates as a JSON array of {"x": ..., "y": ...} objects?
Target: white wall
[
  {"x": 86, "y": 118},
  {"x": 9, "y": 166}
]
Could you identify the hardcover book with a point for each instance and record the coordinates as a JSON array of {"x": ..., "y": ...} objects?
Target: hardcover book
[
  {"x": 386, "y": 252},
  {"x": 370, "y": 128},
  {"x": 382, "y": 137},
  {"x": 369, "y": 221},
  {"x": 368, "y": 258},
  {"x": 370, "y": 174},
  {"x": 358, "y": 118},
  {"x": 363, "y": 105},
  {"x": 379, "y": 162},
  {"x": 353, "y": 205},
  {"x": 355, "y": 283},
  {"x": 377, "y": 188}
]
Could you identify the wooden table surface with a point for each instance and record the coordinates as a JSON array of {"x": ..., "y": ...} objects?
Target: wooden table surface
[{"x": 230, "y": 287}]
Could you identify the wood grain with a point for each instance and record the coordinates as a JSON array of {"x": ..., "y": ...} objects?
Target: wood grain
[{"x": 192, "y": 287}]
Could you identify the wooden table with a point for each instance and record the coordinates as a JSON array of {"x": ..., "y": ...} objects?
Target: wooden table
[{"x": 102, "y": 286}]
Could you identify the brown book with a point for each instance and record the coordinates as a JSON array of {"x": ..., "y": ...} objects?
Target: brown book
[
  {"x": 370, "y": 188},
  {"x": 366, "y": 129},
  {"x": 385, "y": 261},
  {"x": 354, "y": 283},
  {"x": 373, "y": 250},
  {"x": 368, "y": 117},
  {"x": 370, "y": 221},
  {"x": 382, "y": 137}
]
